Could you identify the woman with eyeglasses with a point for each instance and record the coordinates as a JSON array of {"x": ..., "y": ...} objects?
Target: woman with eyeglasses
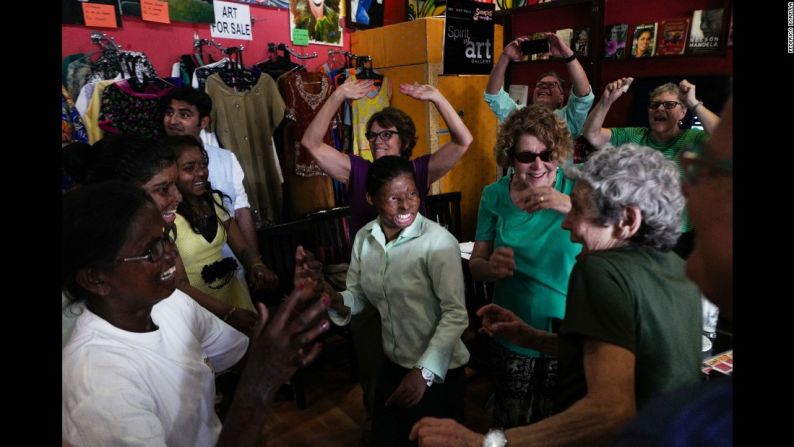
[
  {"x": 521, "y": 246},
  {"x": 667, "y": 107},
  {"x": 389, "y": 132},
  {"x": 140, "y": 366},
  {"x": 204, "y": 225},
  {"x": 150, "y": 165}
]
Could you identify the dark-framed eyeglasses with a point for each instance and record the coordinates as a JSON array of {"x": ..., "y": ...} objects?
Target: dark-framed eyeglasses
[
  {"x": 157, "y": 250},
  {"x": 696, "y": 163},
  {"x": 548, "y": 85},
  {"x": 666, "y": 104},
  {"x": 384, "y": 135},
  {"x": 529, "y": 157}
]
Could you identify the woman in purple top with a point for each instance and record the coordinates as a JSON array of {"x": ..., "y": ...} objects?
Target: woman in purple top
[{"x": 390, "y": 132}]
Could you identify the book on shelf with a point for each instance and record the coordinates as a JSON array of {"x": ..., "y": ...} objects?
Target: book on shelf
[
  {"x": 519, "y": 93},
  {"x": 706, "y": 33},
  {"x": 565, "y": 35},
  {"x": 581, "y": 42},
  {"x": 615, "y": 41},
  {"x": 644, "y": 43},
  {"x": 672, "y": 36}
]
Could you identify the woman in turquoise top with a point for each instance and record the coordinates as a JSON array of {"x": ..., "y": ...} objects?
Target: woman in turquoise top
[{"x": 520, "y": 244}]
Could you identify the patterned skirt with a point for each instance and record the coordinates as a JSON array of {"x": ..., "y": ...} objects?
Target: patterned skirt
[{"x": 524, "y": 387}]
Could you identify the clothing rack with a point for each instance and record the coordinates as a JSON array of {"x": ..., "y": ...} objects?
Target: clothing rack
[
  {"x": 104, "y": 41},
  {"x": 272, "y": 47},
  {"x": 198, "y": 43}
]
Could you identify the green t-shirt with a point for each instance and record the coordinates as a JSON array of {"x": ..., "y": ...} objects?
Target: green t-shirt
[
  {"x": 671, "y": 150},
  {"x": 640, "y": 299},
  {"x": 543, "y": 252}
]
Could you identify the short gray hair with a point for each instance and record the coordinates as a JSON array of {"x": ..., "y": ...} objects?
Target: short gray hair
[{"x": 639, "y": 176}]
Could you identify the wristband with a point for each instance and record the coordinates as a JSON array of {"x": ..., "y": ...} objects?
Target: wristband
[
  {"x": 229, "y": 314},
  {"x": 569, "y": 58}
]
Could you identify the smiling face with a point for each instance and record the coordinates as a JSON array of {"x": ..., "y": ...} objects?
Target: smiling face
[
  {"x": 136, "y": 286},
  {"x": 193, "y": 172},
  {"x": 397, "y": 202},
  {"x": 548, "y": 92},
  {"x": 317, "y": 8},
  {"x": 162, "y": 189},
  {"x": 538, "y": 172},
  {"x": 381, "y": 147},
  {"x": 182, "y": 118},
  {"x": 663, "y": 121},
  {"x": 582, "y": 222}
]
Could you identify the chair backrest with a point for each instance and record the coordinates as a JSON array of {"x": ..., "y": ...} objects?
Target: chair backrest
[
  {"x": 277, "y": 244},
  {"x": 331, "y": 234},
  {"x": 445, "y": 209}
]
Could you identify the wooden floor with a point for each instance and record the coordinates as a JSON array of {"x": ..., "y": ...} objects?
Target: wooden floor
[{"x": 335, "y": 411}]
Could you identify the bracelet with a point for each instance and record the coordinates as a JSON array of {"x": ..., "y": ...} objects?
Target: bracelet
[
  {"x": 699, "y": 103},
  {"x": 569, "y": 58},
  {"x": 251, "y": 267},
  {"x": 229, "y": 313}
]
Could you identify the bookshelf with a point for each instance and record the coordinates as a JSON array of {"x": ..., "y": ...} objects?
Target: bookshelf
[{"x": 596, "y": 14}]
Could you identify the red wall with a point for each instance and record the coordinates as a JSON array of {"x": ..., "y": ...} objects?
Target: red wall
[{"x": 164, "y": 43}]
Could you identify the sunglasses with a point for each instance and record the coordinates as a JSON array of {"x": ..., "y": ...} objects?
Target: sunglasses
[
  {"x": 156, "y": 251},
  {"x": 529, "y": 157},
  {"x": 695, "y": 164},
  {"x": 667, "y": 105},
  {"x": 384, "y": 135}
]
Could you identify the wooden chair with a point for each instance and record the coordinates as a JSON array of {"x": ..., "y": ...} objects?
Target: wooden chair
[
  {"x": 277, "y": 244},
  {"x": 445, "y": 209},
  {"x": 331, "y": 235}
]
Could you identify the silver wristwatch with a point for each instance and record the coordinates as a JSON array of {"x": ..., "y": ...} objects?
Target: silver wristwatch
[
  {"x": 427, "y": 375},
  {"x": 495, "y": 438}
]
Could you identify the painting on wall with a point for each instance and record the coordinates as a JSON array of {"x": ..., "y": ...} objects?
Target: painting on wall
[
  {"x": 429, "y": 8},
  {"x": 364, "y": 13},
  {"x": 320, "y": 18},
  {"x": 193, "y": 11}
]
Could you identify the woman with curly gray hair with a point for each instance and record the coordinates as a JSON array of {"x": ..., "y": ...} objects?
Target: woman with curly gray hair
[
  {"x": 632, "y": 320},
  {"x": 521, "y": 246}
]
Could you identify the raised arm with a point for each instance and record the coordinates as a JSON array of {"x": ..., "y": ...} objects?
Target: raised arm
[
  {"x": 709, "y": 119},
  {"x": 511, "y": 52},
  {"x": 580, "y": 85},
  {"x": 447, "y": 155},
  {"x": 279, "y": 346},
  {"x": 333, "y": 162},
  {"x": 595, "y": 134}
]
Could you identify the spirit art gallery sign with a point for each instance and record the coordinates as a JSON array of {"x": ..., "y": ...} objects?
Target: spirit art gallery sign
[{"x": 468, "y": 37}]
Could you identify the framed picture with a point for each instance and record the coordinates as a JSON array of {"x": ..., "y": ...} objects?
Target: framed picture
[{"x": 364, "y": 13}]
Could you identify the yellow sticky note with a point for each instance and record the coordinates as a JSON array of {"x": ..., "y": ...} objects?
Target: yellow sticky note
[
  {"x": 95, "y": 14},
  {"x": 155, "y": 11}
]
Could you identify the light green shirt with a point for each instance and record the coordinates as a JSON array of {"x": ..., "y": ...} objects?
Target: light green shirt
[
  {"x": 574, "y": 113},
  {"x": 416, "y": 283},
  {"x": 671, "y": 150}
]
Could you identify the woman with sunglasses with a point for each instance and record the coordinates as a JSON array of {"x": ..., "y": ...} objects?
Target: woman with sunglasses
[
  {"x": 521, "y": 246},
  {"x": 667, "y": 107},
  {"x": 140, "y": 366}
]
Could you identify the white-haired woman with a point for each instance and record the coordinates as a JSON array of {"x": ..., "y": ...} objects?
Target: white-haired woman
[{"x": 632, "y": 323}]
